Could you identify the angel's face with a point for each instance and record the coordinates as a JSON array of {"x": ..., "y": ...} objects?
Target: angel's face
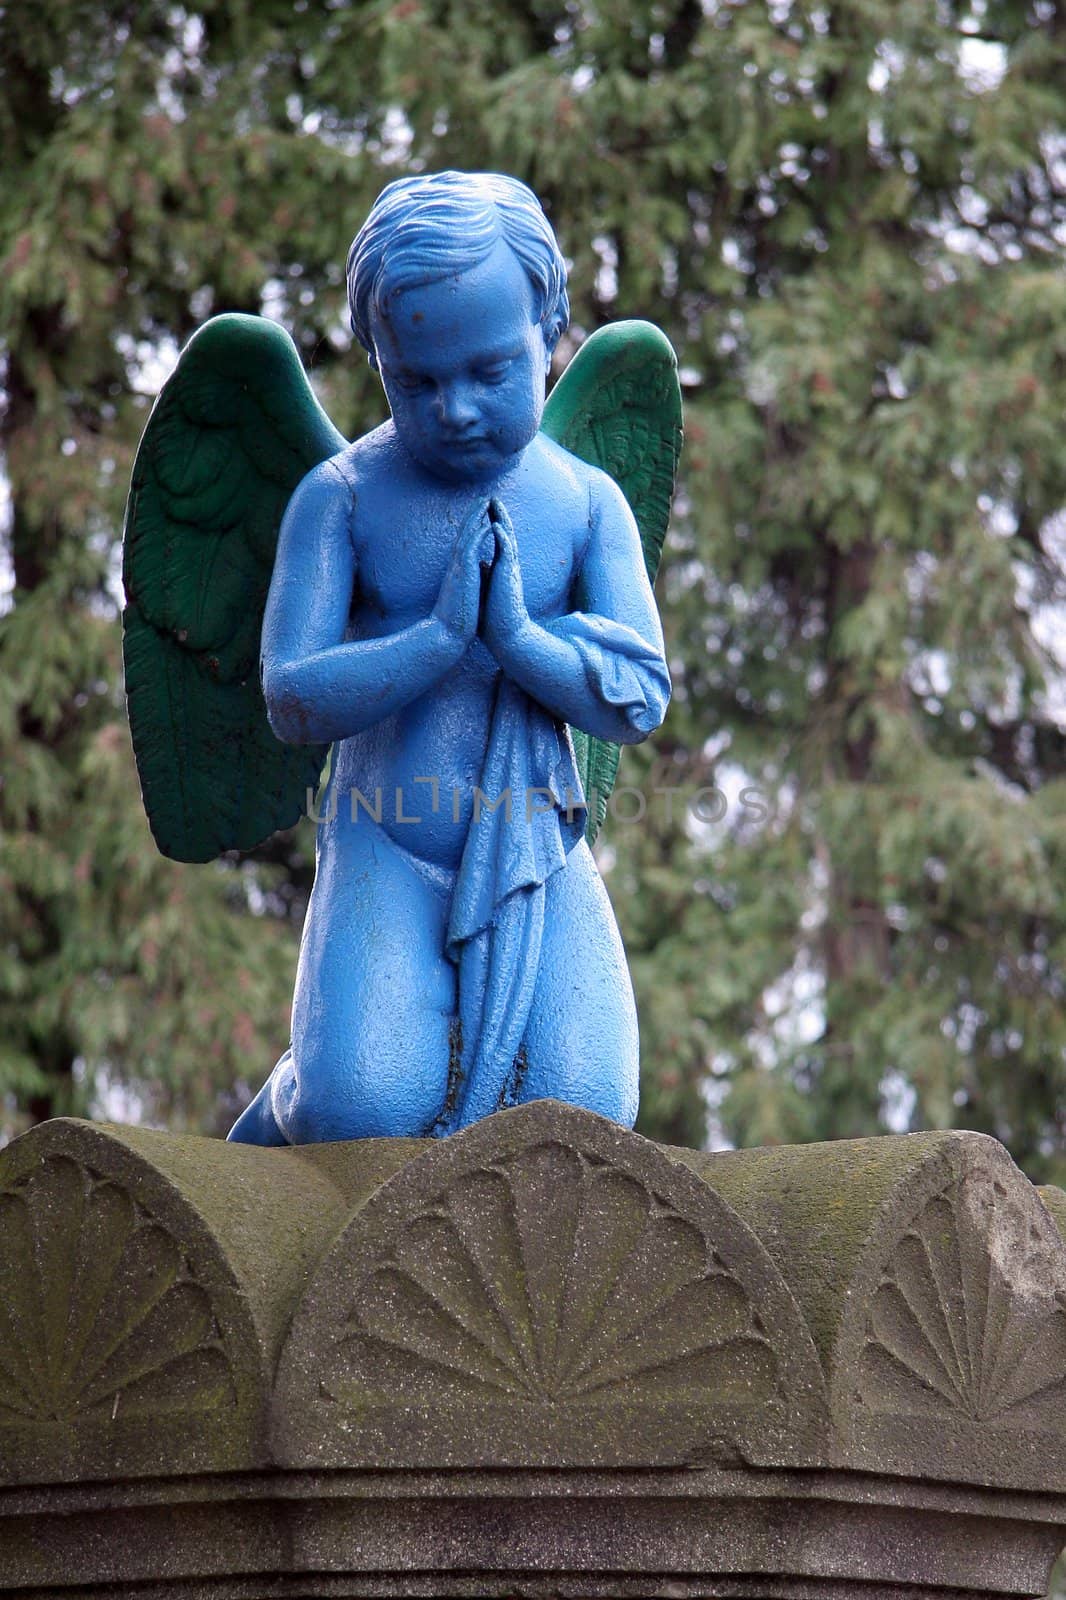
[{"x": 464, "y": 363}]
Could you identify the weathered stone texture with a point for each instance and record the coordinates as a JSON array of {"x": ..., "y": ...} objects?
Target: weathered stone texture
[
  {"x": 546, "y": 1291},
  {"x": 543, "y": 1357}
]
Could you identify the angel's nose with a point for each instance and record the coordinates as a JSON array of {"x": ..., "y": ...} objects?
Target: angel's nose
[{"x": 455, "y": 405}]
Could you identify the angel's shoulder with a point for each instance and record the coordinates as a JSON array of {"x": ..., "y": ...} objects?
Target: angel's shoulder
[
  {"x": 582, "y": 475},
  {"x": 363, "y": 463},
  {"x": 597, "y": 488},
  {"x": 554, "y": 458},
  {"x": 322, "y": 504},
  {"x": 569, "y": 474}
]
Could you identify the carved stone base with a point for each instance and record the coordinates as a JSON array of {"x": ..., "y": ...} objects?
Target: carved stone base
[{"x": 541, "y": 1358}]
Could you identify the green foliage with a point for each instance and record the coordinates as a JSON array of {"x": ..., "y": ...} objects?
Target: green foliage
[{"x": 847, "y": 218}]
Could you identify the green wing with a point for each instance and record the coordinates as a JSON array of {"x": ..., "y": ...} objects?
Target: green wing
[
  {"x": 618, "y": 406},
  {"x": 234, "y": 430}
]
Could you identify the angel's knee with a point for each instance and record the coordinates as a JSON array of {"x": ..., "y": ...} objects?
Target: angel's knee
[
  {"x": 586, "y": 1071},
  {"x": 384, "y": 1076}
]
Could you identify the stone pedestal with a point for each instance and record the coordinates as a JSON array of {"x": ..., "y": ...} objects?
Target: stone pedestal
[{"x": 543, "y": 1357}]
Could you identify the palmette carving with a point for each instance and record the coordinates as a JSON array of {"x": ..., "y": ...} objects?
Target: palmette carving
[
  {"x": 550, "y": 1277},
  {"x": 100, "y": 1315},
  {"x": 969, "y": 1317}
]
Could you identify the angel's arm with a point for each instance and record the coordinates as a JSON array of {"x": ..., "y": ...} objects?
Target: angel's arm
[
  {"x": 600, "y": 668},
  {"x": 318, "y": 686}
]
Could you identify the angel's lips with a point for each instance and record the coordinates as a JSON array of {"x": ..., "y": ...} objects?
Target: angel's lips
[
  {"x": 470, "y": 453},
  {"x": 463, "y": 441}
]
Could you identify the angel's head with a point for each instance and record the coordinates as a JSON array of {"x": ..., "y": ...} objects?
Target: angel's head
[
  {"x": 457, "y": 291},
  {"x": 425, "y": 228}
]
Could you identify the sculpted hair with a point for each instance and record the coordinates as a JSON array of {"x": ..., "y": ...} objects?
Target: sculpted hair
[{"x": 428, "y": 227}]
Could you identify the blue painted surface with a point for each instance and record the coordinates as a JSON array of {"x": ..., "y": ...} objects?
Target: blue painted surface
[{"x": 449, "y": 592}]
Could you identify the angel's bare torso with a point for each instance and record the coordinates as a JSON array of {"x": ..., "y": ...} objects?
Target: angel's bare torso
[{"x": 420, "y": 767}]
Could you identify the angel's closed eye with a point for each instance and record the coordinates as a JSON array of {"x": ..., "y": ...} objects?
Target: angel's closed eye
[{"x": 409, "y": 382}]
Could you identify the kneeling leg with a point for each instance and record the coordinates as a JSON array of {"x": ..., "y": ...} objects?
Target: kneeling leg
[
  {"x": 374, "y": 1004},
  {"x": 581, "y": 1041}
]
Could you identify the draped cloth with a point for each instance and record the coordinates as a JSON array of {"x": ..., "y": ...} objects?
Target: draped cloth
[{"x": 529, "y": 813}]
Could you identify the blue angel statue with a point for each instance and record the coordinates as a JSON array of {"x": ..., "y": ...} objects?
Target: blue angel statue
[{"x": 460, "y": 605}]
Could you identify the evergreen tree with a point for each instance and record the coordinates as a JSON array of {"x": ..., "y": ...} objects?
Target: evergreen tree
[{"x": 849, "y": 217}]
